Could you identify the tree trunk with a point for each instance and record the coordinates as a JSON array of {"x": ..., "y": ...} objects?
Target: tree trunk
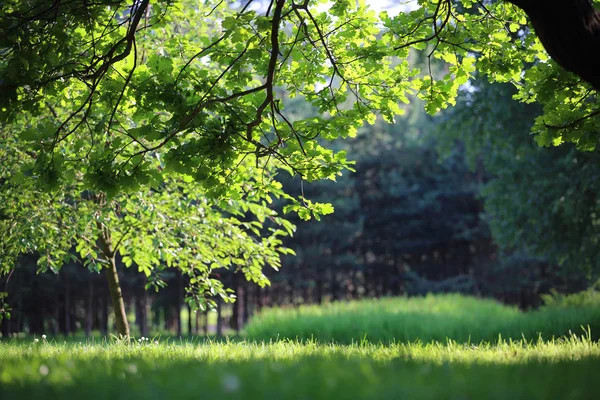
[
  {"x": 245, "y": 305},
  {"x": 235, "y": 314},
  {"x": 277, "y": 294},
  {"x": 205, "y": 322},
  {"x": 67, "y": 305},
  {"x": 4, "y": 328},
  {"x": 104, "y": 313},
  {"x": 141, "y": 304},
  {"x": 319, "y": 289},
  {"x": 156, "y": 318},
  {"x": 112, "y": 276},
  {"x": 190, "y": 319},
  {"x": 292, "y": 291},
  {"x": 258, "y": 292},
  {"x": 267, "y": 299},
  {"x": 116, "y": 297},
  {"x": 56, "y": 308},
  {"x": 167, "y": 317},
  {"x": 179, "y": 302},
  {"x": 89, "y": 315},
  {"x": 17, "y": 325},
  {"x": 144, "y": 327},
  {"x": 570, "y": 32},
  {"x": 219, "y": 318},
  {"x": 36, "y": 318}
]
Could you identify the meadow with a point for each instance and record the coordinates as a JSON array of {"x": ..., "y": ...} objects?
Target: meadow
[
  {"x": 432, "y": 366},
  {"x": 428, "y": 319}
]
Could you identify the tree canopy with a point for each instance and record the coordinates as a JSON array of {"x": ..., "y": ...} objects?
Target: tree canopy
[
  {"x": 111, "y": 106},
  {"x": 538, "y": 200},
  {"x": 99, "y": 88}
]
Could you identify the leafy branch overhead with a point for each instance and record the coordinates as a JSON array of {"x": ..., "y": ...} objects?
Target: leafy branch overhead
[
  {"x": 125, "y": 90},
  {"x": 102, "y": 91},
  {"x": 155, "y": 129},
  {"x": 113, "y": 96},
  {"x": 114, "y": 82}
]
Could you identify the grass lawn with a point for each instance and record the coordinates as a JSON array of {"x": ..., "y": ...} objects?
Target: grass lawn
[
  {"x": 562, "y": 369},
  {"x": 435, "y": 347}
]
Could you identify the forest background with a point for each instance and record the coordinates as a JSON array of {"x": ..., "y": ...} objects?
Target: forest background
[{"x": 436, "y": 205}]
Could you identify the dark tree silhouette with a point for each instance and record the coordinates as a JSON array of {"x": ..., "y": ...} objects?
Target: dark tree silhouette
[{"x": 570, "y": 32}]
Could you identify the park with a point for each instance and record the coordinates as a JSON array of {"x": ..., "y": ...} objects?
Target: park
[{"x": 299, "y": 199}]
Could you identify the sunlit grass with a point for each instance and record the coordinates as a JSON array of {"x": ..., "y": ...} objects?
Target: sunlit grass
[
  {"x": 179, "y": 370},
  {"x": 431, "y": 318},
  {"x": 437, "y": 347}
]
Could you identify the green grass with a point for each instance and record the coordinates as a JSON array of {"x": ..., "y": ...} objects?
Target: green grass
[
  {"x": 428, "y": 319},
  {"x": 564, "y": 369},
  {"x": 405, "y": 355}
]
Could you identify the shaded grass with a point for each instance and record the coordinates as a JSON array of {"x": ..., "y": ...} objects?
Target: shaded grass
[
  {"x": 429, "y": 319},
  {"x": 292, "y": 370}
]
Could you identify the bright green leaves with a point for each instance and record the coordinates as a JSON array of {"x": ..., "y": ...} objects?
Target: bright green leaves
[
  {"x": 439, "y": 94},
  {"x": 174, "y": 225},
  {"x": 160, "y": 66},
  {"x": 497, "y": 42},
  {"x": 4, "y": 307},
  {"x": 306, "y": 209},
  {"x": 32, "y": 220},
  {"x": 199, "y": 92},
  {"x": 185, "y": 114},
  {"x": 230, "y": 23},
  {"x": 569, "y": 108}
]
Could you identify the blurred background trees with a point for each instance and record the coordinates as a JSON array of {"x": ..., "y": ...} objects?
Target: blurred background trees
[{"x": 465, "y": 202}]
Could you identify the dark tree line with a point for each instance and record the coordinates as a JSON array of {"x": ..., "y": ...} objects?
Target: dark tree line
[{"x": 77, "y": 301}]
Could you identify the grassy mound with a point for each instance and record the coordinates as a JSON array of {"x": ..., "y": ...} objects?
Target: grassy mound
[{"x": 427, "y": 319}]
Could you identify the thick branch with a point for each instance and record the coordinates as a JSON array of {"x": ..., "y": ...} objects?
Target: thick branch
[{"x": 570, "y": 32}]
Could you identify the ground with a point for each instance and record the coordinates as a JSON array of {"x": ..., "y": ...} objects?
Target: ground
[{"x": 561, "y": 369}]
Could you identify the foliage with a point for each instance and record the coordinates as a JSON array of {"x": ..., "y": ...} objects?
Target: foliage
[
  {"x": 325, "y": 252},
  {"x": 518, "y": 278},
  {"x": 110, "y": 105},
  {"x": 173, "y": 225},
  {"x": 180, "y": 78},
  {"x": 405, "y": 220},
  {"x": 201, "y": 110},
  {"x": 4, "y": 308},
  {"x": 548, "y": 206},
  {"x": 291, "y": 370},
  {"x": 419, "y": 286},
  {"x": 542, "y": 202},
  {"x": 426, "y": 319},
  {"x": 585, "y": 298},
  {"x": 421, "y": 214}
]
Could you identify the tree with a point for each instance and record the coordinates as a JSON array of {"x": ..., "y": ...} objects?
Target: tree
[
  {"x": 570, "y": 32},
  {"x": 96, "y": 92},
  {"x": 155, "y": 77},
  {"x": 173, "y": 225},
  {"x": 541, "y": 204}
]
